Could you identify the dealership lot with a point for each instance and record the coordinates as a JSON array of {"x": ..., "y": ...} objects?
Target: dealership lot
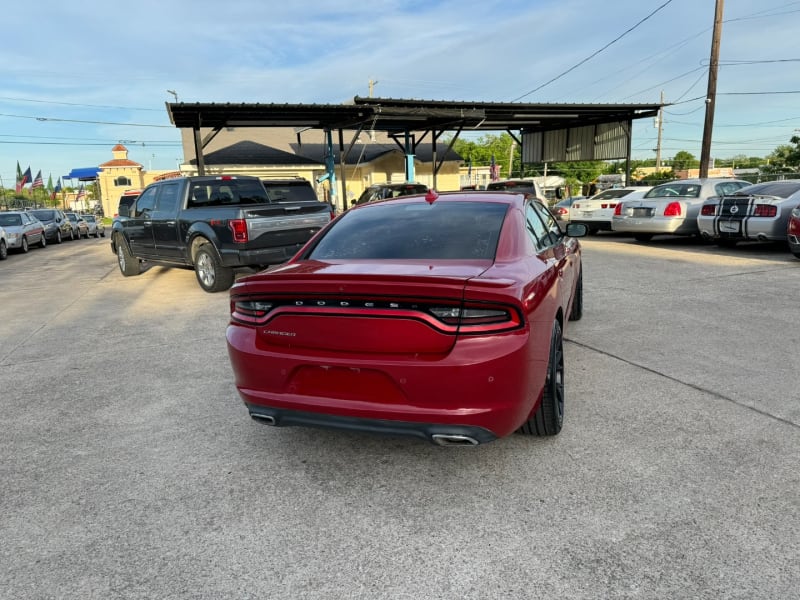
[{"x": 131, "y": 468}]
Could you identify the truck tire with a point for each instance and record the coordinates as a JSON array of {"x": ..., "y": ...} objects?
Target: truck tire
[
  {"x": 128, "y": 264},
  {"x": 211, "y": 275}
]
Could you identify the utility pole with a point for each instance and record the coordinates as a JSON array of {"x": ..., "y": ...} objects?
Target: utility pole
[
  {"x": 711, "y": 95},
  {"x": 660, "y": 126},
  {"x": 372, "y": 83}
]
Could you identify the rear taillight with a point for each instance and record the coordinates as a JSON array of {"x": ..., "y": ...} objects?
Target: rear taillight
[
  {"x": 708, "y": 210},
  {"x": 478, "y": 318},
  {"x": 794, "y": 222},
  {"x": 673, "y": 209},
  {"x": 613, "y": 205},
  {"x": 604, "y": 206},
  {"x": 239, "y": 229},
  {"x": 250, "y": 311},
  {"x": 562, "y": 211},
  {"x": 765, "y": 210},
  {"x": 618, "y": 210}
]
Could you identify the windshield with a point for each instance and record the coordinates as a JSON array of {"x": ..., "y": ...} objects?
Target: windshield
[
  {"x": 778, "y": 189},
  {"x": 44, "y": 215},
  {"x": 88, "y": 218},
  {"x": 515, "y": 186},
  {"x": 10, "y": 220},
  {"x": 443, "y": 230},
  {"x": 613, "y": 193},
  {"x": 671, "y": 190}
]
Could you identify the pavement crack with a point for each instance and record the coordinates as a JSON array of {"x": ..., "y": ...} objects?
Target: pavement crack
[{"x": 686, "y": 383}]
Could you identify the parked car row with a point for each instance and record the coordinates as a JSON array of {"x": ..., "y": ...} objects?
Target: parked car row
[
  {"x": 22, "y": 229},
  {"x": 723, "y": 211}
]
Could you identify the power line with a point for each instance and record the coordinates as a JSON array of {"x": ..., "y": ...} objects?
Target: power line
[
  {"x": 79, "y": 105},
  {"x": 593, "y": 54},
  {"x": 89, "y": 122}
]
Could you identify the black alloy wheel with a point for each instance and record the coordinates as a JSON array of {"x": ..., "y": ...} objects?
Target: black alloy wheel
[
  {"x": 577, "y": 302},
  {"x": 549, "y": 417}
]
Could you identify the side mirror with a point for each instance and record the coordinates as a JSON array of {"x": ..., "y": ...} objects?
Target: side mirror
[{"x": 577, "y": 229}]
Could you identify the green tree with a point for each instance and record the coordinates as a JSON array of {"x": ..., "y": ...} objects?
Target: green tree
[
  {"x": 480, "y": 151},
  {"x": 684, "y": 160}
]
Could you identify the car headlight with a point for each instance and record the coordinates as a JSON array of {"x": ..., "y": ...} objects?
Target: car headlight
[{"x": 13, "y": 237}]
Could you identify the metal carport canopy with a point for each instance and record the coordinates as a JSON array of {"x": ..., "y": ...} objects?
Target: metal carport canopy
[{"x": 405, "y": 116}]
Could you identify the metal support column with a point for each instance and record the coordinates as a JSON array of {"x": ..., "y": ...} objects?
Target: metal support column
[{"x": 410, "y": 176}]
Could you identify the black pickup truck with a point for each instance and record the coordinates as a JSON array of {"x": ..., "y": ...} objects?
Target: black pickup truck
[{"x": 213, "y": 224}]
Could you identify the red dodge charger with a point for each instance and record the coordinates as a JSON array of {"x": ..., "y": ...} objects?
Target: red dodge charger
[{"x": 437, "y": 316}]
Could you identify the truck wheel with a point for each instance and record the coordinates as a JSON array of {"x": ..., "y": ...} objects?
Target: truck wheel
[
  {"x": 211, "y": 275},
  {"x": 128, "y": 264}
]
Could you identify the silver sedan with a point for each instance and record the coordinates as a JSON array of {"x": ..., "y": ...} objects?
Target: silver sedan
[
  {"x": 670, "y": 208},
  {"x": 758, "y": 212},
  {"x": 22, "y": 230}
]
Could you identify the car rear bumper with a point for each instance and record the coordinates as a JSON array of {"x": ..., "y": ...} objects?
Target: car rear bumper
[
  {"x": 757, "y": 229},
  {"x": 262, "y": 256},
  {"x": 478, "y": 385},
  {"x": 443, "y": 435},
  {"x": 654, "y": 225}
]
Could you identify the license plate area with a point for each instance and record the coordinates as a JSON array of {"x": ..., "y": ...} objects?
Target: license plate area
[
  {"x": 642, "y": 212},
  {"x": 729, "y": 226}
]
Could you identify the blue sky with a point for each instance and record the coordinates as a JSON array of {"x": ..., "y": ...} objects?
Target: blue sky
[{"x": 82, "y": 77}]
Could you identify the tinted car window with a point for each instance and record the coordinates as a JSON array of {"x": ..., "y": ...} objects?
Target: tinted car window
[
  {"x": 443, "y": 230},
  {"x": 668, "y": 190},
  {"x": 226, "y": 192},
  {"x": 781, "y": 190},
  {"x": 10, "y": 220},
  {"x": 609, "y": 194},
  {"x": 537, "y": 231},
  {"x": 290, "y": 191},
  {"x": 44, "y": 215},
  {"x": 168, "y": 199},
  {"x": 145, "y": 203}
]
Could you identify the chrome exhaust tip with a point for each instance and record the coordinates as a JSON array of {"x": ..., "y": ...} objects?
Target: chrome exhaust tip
[
  {"x": 446, "y": 439},
  {"x": 266, "y": 419}
]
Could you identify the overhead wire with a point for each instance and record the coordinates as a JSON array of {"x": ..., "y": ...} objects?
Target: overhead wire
[{"x": 591, "y": 56}]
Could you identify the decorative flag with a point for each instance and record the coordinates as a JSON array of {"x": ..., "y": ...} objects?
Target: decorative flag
[
  {"x": 81, "y": 193},
  {"x": 469, "y": 169},
  {"x": 494, "y": 170},
  {"x": 26, "y": 178},
  {"x": 56, "y": 190},
  {"x": 19, "y": 178},
  {"x": 37, "y": 182},
  {"x": 50, "y": 183}
]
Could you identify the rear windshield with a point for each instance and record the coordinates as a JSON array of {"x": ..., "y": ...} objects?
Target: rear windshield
[
  {"x": 610, "y": 194},
  {"x": 225, "y": 192},
  {"x": 44, "y": 215},
  {"x": 671, "y": 190},
  {"x": 292, "y": 191},
  {"x": 443, "y": 230},
  {"x": 10, "y": 220},
  {"x": 514, "y": 186},
  {"x": 779, "y": 190}
]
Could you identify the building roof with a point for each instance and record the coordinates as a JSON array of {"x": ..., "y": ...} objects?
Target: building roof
[
  {"x": 120, "y": 162},
  {"x": 396, "y": 114}
]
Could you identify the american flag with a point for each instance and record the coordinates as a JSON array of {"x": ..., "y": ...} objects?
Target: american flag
[
  {"x": 81, "y": 193},
  {"x": 37, "y": 183}
]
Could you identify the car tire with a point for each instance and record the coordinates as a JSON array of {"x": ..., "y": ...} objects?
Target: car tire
[
  {"x": 128, "y": 264},
  {"x": 211, "y": 275},
  {"x": 102, "y": 234},
  {"x": 24, "y": 247},
  {"x": 58, "y": 236},
  {"x": 43, "y": 242},
  {"x": 72, "y": 235},
  {"x": 3, "y": 250},
  {"x": 549, "y": 417},
  {"x": 577, "y": 302},
  {"x": 643, "y": 237}
]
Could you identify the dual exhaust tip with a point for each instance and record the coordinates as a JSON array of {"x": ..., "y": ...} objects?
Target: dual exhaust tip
[{"x": 440, "y": 439}]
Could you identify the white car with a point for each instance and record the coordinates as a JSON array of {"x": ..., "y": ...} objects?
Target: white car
[
  {"x": 3, "y": 244},
  {"x": 596, "y": 212},
  {"x": 670, "y": 208}
]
